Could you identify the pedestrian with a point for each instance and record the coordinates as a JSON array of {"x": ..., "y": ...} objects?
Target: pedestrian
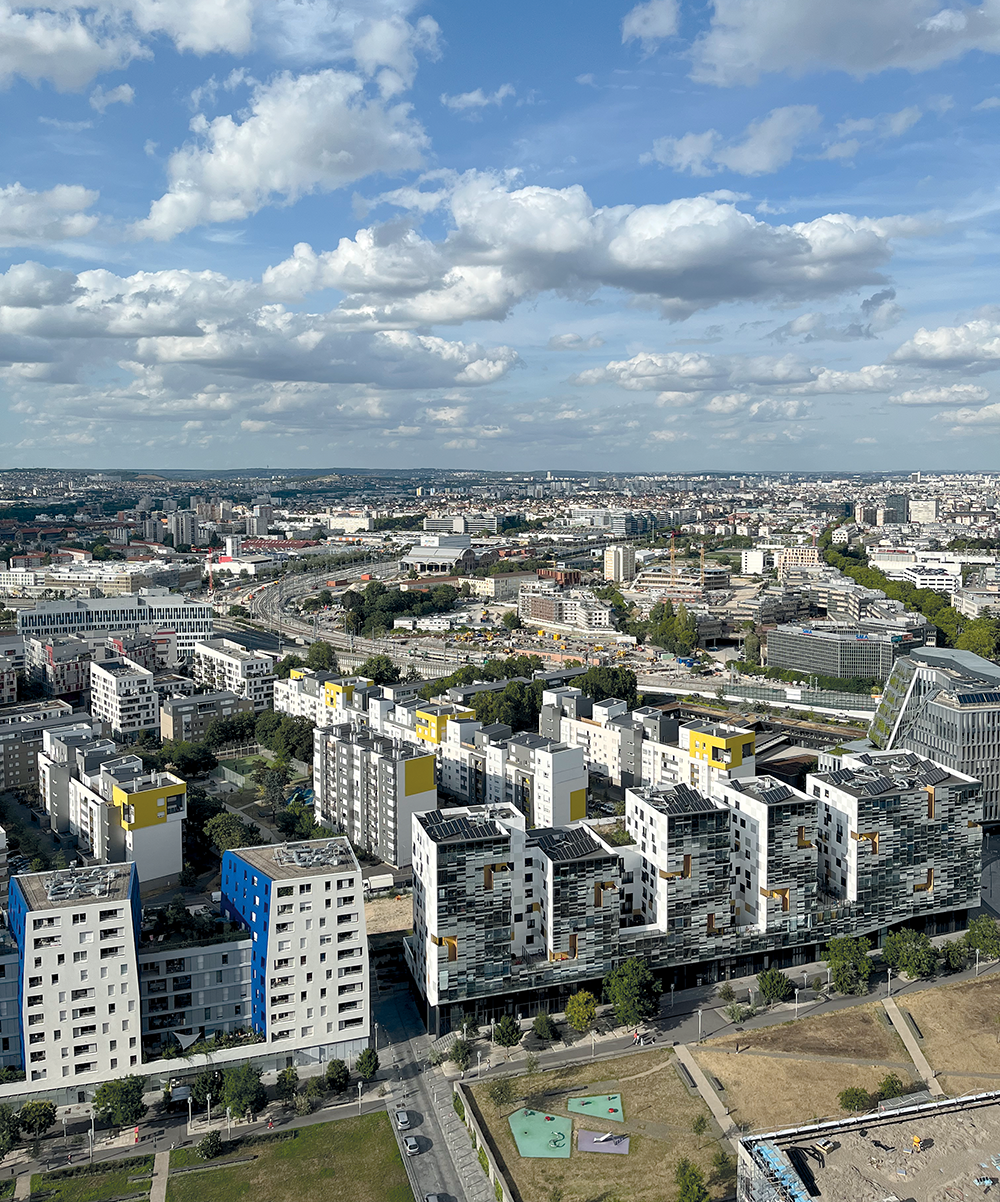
[{"x": 270, "y": 1124}]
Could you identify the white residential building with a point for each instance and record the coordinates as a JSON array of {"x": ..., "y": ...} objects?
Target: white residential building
[
  {"x": 122, "y": 696},
  {"x": 619, "y": 563},
  {"x": 227, "y": 666},
  {"x": 150, "y": 609}
]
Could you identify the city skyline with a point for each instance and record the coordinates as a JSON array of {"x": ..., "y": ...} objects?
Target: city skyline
[{"x": 645, "y": 237}]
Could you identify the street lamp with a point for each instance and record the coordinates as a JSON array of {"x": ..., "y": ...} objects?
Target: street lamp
[
  {"x": 671, "y": 995},
  {"x": 699, "y": 1026},
  {"x": 209, "y": 1108},
  {"x": 888, "y": 984},
  {"x": 91, "y": 1136},
  {"x": 977, "y": 961},
  {"x": 376, "y": 1037},
  {"x": 593, "y": 1045},
  {"x": 479, "y": 1065},
  {"x": 805, "y": 979},
  {"x": 797, "y": 1003},
  {"x": 828, "y": 972},
  {"x": 190, "y": 1100},
  {"x": 361, "y": 1086}
]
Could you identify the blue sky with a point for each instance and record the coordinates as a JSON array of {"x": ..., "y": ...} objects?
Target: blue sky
[{"x": 747, "y": 234}]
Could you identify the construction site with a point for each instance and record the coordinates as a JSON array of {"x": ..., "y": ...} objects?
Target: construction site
[{"x": 911, "y": 1151}]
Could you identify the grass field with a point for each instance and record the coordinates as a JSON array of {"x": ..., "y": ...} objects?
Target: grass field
[
  {"x": 959, "y": 1028},
  {"x": 92, "y": 1188},
  {"x": 862, "y": 1032},
  {"x": 659, "y": 1112},
  {"x": 352, "y": 1160},
  {"x": 767, "y": 1091}
]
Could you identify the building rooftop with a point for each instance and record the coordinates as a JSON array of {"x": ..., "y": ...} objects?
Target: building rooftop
[
  {"x": 73, "y": 886},
  {"x": 383, "y": 744},
  {"x": 314, "y": 857},
  {"x": 716, "y": 729},
  {"x": 873, "y": 1158},
  {"x": 767, "y": 789},
  {"x": 566, "y": 843},
  {"x": 680, "y": 799},
  {"x": 451, "y": 826},
  {"x": 965, "y": 665},
  {"x": 899, "y": 772}
]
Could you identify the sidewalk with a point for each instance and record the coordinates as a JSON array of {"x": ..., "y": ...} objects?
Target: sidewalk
[
  {"x": 456, "y": 1136},
  {"x": 911, "y": 1045}
]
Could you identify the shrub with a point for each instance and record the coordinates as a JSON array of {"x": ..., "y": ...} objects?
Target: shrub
[
  {"x": 855, "y": 1098},
  {"x": 544, "y": 1027},
  {"x": 303, "y": 1105},
  {"x": 460, "y": 1054},
  {"x": 726, "y": 992},
  {"x": 458, "y": 1106},
  {"x": 337, "y": 1076},
  {"x": 210, "y": 1146},
  {"x": 484, "y": 1163},
  {"x": 774, "y": 986}
]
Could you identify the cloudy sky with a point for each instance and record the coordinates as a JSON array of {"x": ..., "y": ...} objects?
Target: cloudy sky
[{"x": 685, "y": 234}]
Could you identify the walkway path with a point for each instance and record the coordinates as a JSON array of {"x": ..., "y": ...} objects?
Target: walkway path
[
  {"x": 714, "y": 1102},
  {"x": 22, "y": 1188},
  {"x": 911, "y": 1045},
  {"x": 161, "y": 1172}
]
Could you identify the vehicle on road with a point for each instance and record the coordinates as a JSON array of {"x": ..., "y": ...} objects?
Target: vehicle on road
[
  {"x": 402, "y": 1118},
  {"x": 410, "y": 1145}
]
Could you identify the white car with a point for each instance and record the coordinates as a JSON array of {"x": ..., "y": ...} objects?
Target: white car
[
  {"x": 410, "y": 1145},
  {"x": 402, "y": 1120}
]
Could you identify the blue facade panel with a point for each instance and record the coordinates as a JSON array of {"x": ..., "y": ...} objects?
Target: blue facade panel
[
  {"x": 246, "y": 899},
  {"x": 17, "y": 921}
]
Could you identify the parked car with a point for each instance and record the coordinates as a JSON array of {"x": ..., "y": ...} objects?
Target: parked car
[
  {"x": 402, "y": 1120},
  {"x": 410, "y": 1145}
]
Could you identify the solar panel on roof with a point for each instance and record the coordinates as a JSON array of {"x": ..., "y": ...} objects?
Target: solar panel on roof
[
  {"x": 933, "y": 775},
  {"x": 773, "y": 795},
  {"x": 841, "y": 776},
  {"x": 880, "y": 784}
]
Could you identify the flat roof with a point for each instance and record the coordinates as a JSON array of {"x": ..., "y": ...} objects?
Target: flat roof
[
  {"x": 678, "y": 799},
  {"x": 447, "y": 826},
  {"x": 76, "y": 886},
  {"x": 313, "y": 857},
  {"x": 767, "y": 789},
  {"x": 872, "y": 1158},
  {"x": 567, "y": 843}
]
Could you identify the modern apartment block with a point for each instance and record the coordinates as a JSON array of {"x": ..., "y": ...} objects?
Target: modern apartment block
[
  {"x": 8, "y": 684},
  {"x": 368, "y": 787},
  {"x": 154, "y": 609},
  {"x": 945, "y": 704},
  {"x": 123, "y": 698},
  {"x": 304, "y": 906},
  {"x": 754, "y": 875},
  {"x": 189, "y": 717},
  {"x": 867, "y": 649},
  {"x": 547, "y": 603},
  {"x": 619, "y": 563},
  {"x": 224, "y": 665},
  {"x": 78, "y": 974},
  {"x": 22, "y": 728}
]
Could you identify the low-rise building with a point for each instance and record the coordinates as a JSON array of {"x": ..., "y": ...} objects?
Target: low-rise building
[
  {"x": 546, "y": 603},
  {"x": 153, "y": 609},
  {"x": 189, "y": 717}
]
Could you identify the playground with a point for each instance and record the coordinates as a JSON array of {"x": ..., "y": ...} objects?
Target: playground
[{"x": 653, "y": 1130}]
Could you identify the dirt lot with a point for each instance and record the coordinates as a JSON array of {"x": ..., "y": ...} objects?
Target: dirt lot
[
  {"x": 769, "y": 1091},
  {"x": 862, "y": 1032},
  {"x": 388, "y": 914},
  {"x": 959, "y": 1027},
  {"x": 659, "y": 1112}
]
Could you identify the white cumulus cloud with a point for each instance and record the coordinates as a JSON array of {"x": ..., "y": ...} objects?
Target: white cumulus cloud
[
  {"x": 765, "y": 146},
  {"x": 651, "y": 22},
  {"x": 944, "y": 394},
  {"x": 101, "y": 100},
  {"x": 477, "y": 99},
  {"x": 36, "y": 218},
  {"x": 303, "y": 133}
]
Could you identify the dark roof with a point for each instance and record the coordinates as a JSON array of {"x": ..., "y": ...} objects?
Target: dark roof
[
  {"x": 444, "y": 826},
  {"x": 566, "y": 843},
  {"x": 681, "y": 799}
]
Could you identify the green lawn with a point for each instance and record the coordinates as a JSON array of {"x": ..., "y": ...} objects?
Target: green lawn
[
  {"x": 93, "y": 1188},
  {"x": 352, "y": 1160}
]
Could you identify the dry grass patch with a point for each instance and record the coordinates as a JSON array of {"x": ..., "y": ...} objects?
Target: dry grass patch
[
  {"x": 861, "y": 1032},
  {"x": 958, "y": 1024},
  {"x": 659, "y": 1112},
  {"x": 389, "y": 914},
  {"x": 769, "y": 1092}
]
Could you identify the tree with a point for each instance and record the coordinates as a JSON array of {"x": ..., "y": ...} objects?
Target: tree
[
  {"x": 849, "y": 964},
  {"x": 751, "y": 647},
  {"x": 507, "y": 1032},
  {"x": 283, "y": 668},
  {"x": 287, "y": 1084},
  {"x": 544, "y": 1027},
  {"x": 381, "y": 669},
  {"x": 699, "y": 1124},
  {"x": 36, "y": 1117},
  {"x": 119, "y": 1103},
  {"x": 337, "y": 1076},
  {"x": 460, "y": 1054},
  {"x": 321, "y": 655},
  {"x": 855, "y": 1098},
  {"x": 366, "y": 1064},
  {"x": 511, "y": 620},
  {"x": 581, "y": 1011},
  {"x": 226, "y": 831},
  {"x": 210, "y": 1146},
  {"x": 633, "y": 991},
  {"x": 500, "y": 1092},
  {"x": 242, "y": 1090},
  {"x": 9, "y": 1128},
  {"x": 983, "y": 936},
  {"x": 891, "y": 1086},
  {"x": 690, "y": 1182},
  {"x": 723, "y": 1168},
  {"x": 911, "y": 952},
  {"x": 774, "y": 986},
  {"x": 208, "y": 1084},
  {"x": 954, "y": 954},
  {"x": 296, "y": 822}
]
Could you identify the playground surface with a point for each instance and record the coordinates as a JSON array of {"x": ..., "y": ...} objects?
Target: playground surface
[
  {"x": 541, "y": 1136},
  {"x": 598, "y": 1141},
  {"x": 604, "y": 1108}
]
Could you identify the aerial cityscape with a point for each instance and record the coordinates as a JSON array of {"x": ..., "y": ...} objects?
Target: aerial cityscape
[{"x": 499, "y": 602}]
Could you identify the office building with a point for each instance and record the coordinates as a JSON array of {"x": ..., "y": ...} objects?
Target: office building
[
  {"x": 619, "y": 563},
  {"x": 78, "y": 975},
  {"x": 226, "y": 666},
  {"x": 123, "y": 698},
  {"x": 755, "y": 875},
  {"x": 8, "y": 684},
  {"x": 150, "y": 610},
  {"x": 368, "y": 787},
  {"x": 945, "y": 704},
  {"x": 188, "y": 718},
  {"x": 866, "y": 649},
  {"x": 304, "y": 906}
]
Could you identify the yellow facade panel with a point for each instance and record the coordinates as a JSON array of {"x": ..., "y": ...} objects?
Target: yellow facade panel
[
  {"x": 577, "y": 805},
  {"x": 418, "y": 775}
]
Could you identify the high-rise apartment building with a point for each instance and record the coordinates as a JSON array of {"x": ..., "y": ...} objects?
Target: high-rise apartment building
[
  {"x": 123, "y": 698},
  {"x": 369, "y": 787},
  {"x": 189, "y": 718},
  {"x": 619, "y": 563},
  {"x": 226, "y": 666}
]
